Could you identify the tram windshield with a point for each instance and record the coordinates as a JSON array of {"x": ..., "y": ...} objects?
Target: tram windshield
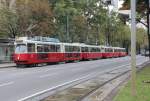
[{"x": 21, "y": 48}]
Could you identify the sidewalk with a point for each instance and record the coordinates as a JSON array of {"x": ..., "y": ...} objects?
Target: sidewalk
[{"x": 5, "y": 65}]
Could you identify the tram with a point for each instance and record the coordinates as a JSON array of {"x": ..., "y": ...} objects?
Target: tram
[{"x": 33, "y": 52}]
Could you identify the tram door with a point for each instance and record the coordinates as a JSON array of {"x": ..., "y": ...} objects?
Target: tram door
[{"x": 42, "y": 55}]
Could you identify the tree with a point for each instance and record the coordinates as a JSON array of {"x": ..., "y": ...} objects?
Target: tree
[
  {"x": 84, "y": 21},
  {"x": 8, "y": 23},
  {"x": 35, "y": 17},
  {"x": 141, "y": 39},
  {"x": 64, "y": 14},
  {"x": 143, "y": 12}
]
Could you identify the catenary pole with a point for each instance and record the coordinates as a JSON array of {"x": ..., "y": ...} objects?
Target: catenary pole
[
  {"x": 148, "y": 25},
  {"x": 133, "y": 46}
]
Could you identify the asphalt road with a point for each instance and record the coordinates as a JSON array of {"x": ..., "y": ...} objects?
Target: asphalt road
[{"x": 16, "y": 84}]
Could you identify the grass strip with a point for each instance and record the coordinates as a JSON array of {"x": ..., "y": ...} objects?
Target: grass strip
[{"x": 142, "y": 87}]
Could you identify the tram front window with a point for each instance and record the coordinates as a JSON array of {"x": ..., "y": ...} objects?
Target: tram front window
[{"x": 21, "y": 48}]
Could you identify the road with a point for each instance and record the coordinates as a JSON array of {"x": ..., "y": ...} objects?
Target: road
[{"x": 17, "y": 84}]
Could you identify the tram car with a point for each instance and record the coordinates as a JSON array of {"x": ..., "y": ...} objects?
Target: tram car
[{"x": 34, "y": 52}]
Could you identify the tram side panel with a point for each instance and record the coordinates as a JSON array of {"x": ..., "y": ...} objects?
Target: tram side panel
[
  {"x": 72, "y": 53},
  {"x": 91, "y": 53}
]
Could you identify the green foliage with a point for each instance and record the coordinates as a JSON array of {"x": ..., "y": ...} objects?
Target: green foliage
[
  {"x": 84, "y": 21},
  {"x": 8, "y": 23},
  {"x": 35, "y": 17}
]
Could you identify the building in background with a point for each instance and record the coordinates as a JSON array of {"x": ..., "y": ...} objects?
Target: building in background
[
  {"x": 114, "y": 5},
  {"x": 6, "y": 50}
]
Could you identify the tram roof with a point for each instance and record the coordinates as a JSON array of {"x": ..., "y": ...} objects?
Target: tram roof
[
  {"x": 36, "y": 42},
  {"x": 26, "y": 40},
  {"x": 37, "y": 39}
]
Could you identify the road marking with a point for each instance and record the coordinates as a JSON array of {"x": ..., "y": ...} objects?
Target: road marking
[
  {"x": 52, "y": 88},
  {"x": 6, "y": 84},
  {"x": 66, "y": 83}
]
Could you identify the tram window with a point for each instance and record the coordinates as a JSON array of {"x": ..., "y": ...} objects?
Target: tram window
[
  {"x": 52, "y": 48},
  {"x": 75, "y": 49},
  {"x": 117, "y": 50},
  {"x": 103, "y": 50},
  {"x": 57, "y": 48},
  {"x": 93, "y": 50},
  {"x": 98, "y": 50},
  {"x": 31, "y": 47},
  {"x": 67, "y": 48},
  {"x": 84, "y": 49},
  {"x": 78, "y": 49},
  {"x": 40, "y": 48},
  {"x": 90, "y": 49},
  {"x": 21, "y": 48},
  {"x": 46, "y": 48},
  {"x": 70, "y": 48},
  {"x": 110, "y": 50}
]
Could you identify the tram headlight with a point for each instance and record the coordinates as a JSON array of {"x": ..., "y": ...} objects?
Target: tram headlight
[{"x": 18, "y": 57}]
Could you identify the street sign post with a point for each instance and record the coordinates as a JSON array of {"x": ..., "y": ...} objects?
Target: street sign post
[{"x": 133, "y": 47}]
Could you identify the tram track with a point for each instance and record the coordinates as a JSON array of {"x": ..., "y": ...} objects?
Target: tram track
[
  {"x": 54, "y": 79},
  {"x": 103, "y": 84},
  {"x": 94, "y": 86},
  {"x": 40, "y": 95},
  {"x": 115, "y": 74}
]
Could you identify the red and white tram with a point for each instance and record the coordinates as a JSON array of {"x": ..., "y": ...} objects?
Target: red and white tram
[{"x": 29, "y": 52}]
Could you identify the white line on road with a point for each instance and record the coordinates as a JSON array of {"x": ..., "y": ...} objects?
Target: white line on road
[
  {"x": 66, "y": 83},
  {"x": 6, "y": 84}
]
